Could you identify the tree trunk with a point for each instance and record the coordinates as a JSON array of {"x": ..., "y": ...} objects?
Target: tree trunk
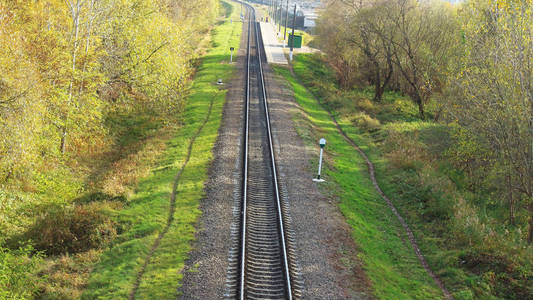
[
  {"x": 420, "y": 104},
  {"x": 530, "y": 234},
  {"x": 63, "y": 145},
  {"x": 511, "y": 199},
  {"x": 75, "y": 14},
  {"x": 378, "y": 93},
  {"x": 9, "y": 173}
]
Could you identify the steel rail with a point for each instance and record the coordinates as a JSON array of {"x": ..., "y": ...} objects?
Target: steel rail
[
  {"x": 245, "y": 157},
  {"x": 281, "y": 225},
  {"x": 273, "y": 165}
]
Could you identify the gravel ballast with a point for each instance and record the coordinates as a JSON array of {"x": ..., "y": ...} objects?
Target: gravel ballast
[{"x": 325, "y": 249}]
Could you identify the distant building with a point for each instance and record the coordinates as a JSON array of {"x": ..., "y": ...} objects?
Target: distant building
[{"x": 310, "y": 17}]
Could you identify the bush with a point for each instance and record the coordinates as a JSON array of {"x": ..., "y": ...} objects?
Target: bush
[
  {"x": 366, "y": 105},
  {"x": 17, "y": 269},
  {"x": 99, "y": 196},
  {"x": 404, "y": 151},
  {"x": 366, "y": 122},
  {"x": 72, "y": 229}
]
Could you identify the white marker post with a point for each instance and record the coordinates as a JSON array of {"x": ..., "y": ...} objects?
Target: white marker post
[
  {"x": 231, "y": 55},
  {"x": 322, "y": 145}
]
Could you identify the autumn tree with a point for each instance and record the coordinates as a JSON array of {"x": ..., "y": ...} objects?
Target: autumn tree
[
  {"x": 367, "y": 30},
  {"x": 410, "y": 41},
  {"x": 493, "y": 96},
  {"x": 65, "y": 64},
  {"x": 422, "y": 46},
  {"x": 20, "y": 100},
  {"x": 333, "y": 40}
]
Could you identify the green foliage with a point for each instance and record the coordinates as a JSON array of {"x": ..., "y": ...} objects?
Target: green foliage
[
  {"x": 57, "y": 186},
  {"x": 365, "y": 121},
  {"x": 15, "y": 212},
  {"x": 17, "y": 273},
  {"x": 147, "y": 211},
  {"x": 425, "y": 167},
  {"x": 65, "y": 65},
  {"x": 88, "y": 93},
  {"x": 490, "y": 98}
]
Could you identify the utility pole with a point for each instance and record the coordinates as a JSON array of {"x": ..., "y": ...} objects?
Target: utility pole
[
  {"x": 272, "y": 10},
  {"x": 269, "y": 7},
  {"x": 275, "y": 12},
  {"x": 286, "y": 21},
  {"x": 292, "y": 39},
  {"x": 280, "y": 14}
]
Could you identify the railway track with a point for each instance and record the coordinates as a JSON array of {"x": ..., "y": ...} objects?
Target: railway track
[{"x": 262, "y": 262}]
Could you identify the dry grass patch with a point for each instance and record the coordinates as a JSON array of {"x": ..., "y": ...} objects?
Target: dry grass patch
[{"x": 67, "y": 275}]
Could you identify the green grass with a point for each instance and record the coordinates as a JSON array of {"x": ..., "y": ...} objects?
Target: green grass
[
  {"x": 146, "y": 214},
  {"x": 388, "y": 258},
  {"x": 461, "y": 232}
]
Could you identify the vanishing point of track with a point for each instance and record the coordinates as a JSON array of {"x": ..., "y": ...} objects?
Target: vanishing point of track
[{"x": 263, "y": 267}]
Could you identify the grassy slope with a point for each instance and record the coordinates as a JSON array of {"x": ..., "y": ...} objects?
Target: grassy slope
[
  {"x": 413, "y": 169},
  {"x": 147, "y": 212},
  {"x": 389, "y": 259}
]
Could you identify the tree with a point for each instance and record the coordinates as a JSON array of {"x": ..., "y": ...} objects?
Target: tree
[
  {"x": 495, "y": 90},
  {"x": 81, "y": 106},
  {"x": 422, "y": 46},
  {"x": 404, "y": 39},
  {"x": 21, "y": 98},
  {"x": 335, "y": 43},
  {"x": 367, "y": 31},
  {"x": 65, "y": 64}
]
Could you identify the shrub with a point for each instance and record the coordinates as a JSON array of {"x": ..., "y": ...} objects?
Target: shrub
[
  {"x": 404, "y": 151},
  {"x": 72, "y": 229},
  {"x": 99, "y": 196},
  {"x": 366, "y": 122},
  {"x": 17, "y": 269},
  {"x": 366, "y": 105}
]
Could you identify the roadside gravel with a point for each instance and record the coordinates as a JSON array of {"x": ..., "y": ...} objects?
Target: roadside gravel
[{"x": 326, "y": 252}]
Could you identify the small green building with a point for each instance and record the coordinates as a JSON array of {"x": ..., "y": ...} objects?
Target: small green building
[{"x": 298, "y": 40}]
